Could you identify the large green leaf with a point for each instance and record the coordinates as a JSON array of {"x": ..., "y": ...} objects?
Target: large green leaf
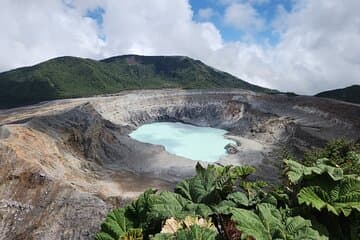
[
  {"x": 296, "y": 171},
  {"x": 115, "y": 225},
  {"x": 340, "y": 197},
  {"x": 139, "y": 209},
  {"x": 169, "y": 204},
  {"x": 252, "y": 194},
  {"x": 224, "y": 207},
  {"x": 298, "y": 228},
  {"x": 164, "y": 236},
  {"x": 204, "y": 187},
  {"x": 255, "y": 193},
  {"x": 239, "y": 198},
  {"x": 129, "y": 222},
  {"x": 271, "y": 218},
  {"x": 212, "y": 184},
  {"x": 242, "y": 171},
  {"x": 250, "y": 224},
  {"x": 103, "y": 236},
  {"x": 199, "y": 209},
  {"x": 267, "y": 223},
  {"x": 195, "y": 232},
  {"x": 133, "y": 234}
]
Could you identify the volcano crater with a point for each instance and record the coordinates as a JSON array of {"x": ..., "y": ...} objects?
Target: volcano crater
[{"x": 76, "y": 156}]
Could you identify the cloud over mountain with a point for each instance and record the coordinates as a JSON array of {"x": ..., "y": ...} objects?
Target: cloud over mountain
[{"x": 318, "y": 46}]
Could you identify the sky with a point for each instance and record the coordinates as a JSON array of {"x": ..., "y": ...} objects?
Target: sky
[{"x": 302, "y": 46}]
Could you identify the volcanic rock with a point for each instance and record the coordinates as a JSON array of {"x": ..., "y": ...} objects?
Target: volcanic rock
[
  {"x": 231, "y": 148},
  {"x": 64, "y": 164}
]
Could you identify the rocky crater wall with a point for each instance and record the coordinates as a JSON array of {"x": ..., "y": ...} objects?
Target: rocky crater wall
[{"x": 64, "y": 164}]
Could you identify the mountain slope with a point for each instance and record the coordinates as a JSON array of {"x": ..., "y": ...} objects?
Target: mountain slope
[
  {"x": 68, "y": 77},
  {"x": 348, "y": 94}
]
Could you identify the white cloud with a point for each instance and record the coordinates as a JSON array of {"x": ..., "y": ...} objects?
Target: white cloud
[
  {"x": 157, "y": 27},
  {"x": 243, "y": 17},
  {"x": 35, "y": 32},
  {"x": 206, "y": 13},
  {"x": 318, "y": 48},
  {"x": 254, "y": 2}
]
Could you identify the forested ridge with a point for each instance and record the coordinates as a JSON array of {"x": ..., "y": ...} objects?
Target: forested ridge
[{"x": 70, "y": 77}]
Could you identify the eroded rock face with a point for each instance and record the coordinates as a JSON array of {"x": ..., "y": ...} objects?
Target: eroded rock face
[{"x": 64, "y": 164}]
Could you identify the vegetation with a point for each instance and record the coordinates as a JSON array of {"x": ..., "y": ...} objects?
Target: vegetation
[
  {"x": 69, "y": 77},
  {"x": 318, "y": 200},
  {"x": 348, "y": 94}
]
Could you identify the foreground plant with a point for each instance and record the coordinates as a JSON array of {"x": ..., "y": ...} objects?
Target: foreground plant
[
  {"x": 221, "y": 203},
  {"x": 327, "y": 190}
]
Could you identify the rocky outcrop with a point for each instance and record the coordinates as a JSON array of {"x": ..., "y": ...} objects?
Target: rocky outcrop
[
  {"x": 64, "y": 164},
  {"x": 231, "y": 148},
  {"x": 58, "y": 178}
]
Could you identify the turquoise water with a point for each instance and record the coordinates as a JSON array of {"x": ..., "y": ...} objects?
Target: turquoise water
[{"x": 196, "y": 143}]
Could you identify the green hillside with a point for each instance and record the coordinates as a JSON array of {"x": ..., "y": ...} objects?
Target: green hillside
[
  {"x": 348, "y": 94},
  {"x": 68, "y": 77}
]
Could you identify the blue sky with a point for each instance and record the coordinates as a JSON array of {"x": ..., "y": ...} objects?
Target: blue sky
[
  {"x": 97, "y": 14},
  {"x": 304, "y": 46},
  {"x": 267, "y": 10}
]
